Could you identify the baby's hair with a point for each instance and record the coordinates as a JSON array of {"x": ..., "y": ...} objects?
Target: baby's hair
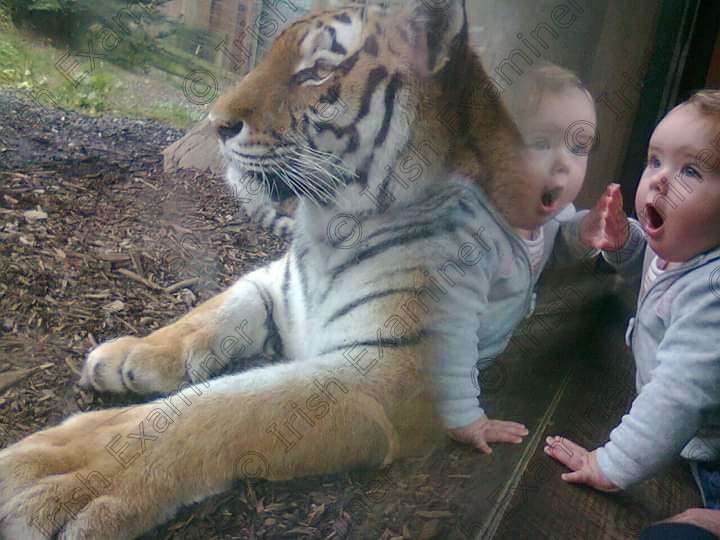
[
  {"x": 540, "y": 80},
  {"x": 708, "y": 101},
  {"x": 550, "y": 78}
]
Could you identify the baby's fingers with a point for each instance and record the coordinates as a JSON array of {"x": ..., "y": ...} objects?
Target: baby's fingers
[
  {"x": 566, "y": 452},
  {"x": 615, "y": 195},
  {"x": 571, "y": 447},
  {"x": 505, "y": 432},
  {"x": 583, "y": 476},
  {"x": 480, "y": 444},
  {"x": 475, "y": 438},
  {"x": 497, "y": 435},
  {"x": 615, "y": 207},
  {"x": 510, "y": 427}
]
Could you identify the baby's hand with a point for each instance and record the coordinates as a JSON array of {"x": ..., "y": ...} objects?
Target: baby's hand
[
  {"x": 484, "y": 431},
  {"x": 606, "y": 227},
  {"x": 583, "y": 464}
]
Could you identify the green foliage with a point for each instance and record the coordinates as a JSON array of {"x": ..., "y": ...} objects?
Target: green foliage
[
  {"x": 21, "y": 9},
  {"x": 44, "y": 5},
  {"x": 145, "y": 43},
  {"x": 5, "y": 19},
  {"x": 27, "y": 63},
  {"x": 91, "y": 96},
  {"x": 25, "y": 68},
  {"x": 176, "y": 115},
  {"x": 24, "y": 9},
  {"x": 15, "y": 60}
]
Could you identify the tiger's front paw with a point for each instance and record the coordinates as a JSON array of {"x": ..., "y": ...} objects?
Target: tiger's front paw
[{"x": 131, "y": 364}]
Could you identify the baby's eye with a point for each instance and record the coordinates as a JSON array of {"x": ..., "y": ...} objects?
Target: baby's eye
[
  {"x": 690, "y": 171},
  {"x": 539, "y": 143},
  {"x": 653, "y": 162},
  {"x": 578, "y": 150}
]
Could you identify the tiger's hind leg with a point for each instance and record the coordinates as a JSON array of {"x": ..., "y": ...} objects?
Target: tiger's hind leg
[{"x": 117, "y": 473}]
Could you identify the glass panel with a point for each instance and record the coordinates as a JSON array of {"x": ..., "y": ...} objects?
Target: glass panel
[
  {"x": 606, "y": 43},
  {"x": 231, "y": 35},
  {"x": 602, "y": 42}
]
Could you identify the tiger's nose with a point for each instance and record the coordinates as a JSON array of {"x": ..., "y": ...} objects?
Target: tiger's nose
[{"x": 226, "y": 130}]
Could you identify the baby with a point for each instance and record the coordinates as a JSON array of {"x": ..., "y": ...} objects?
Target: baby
[
  {"x": 549, "y": 101},
  {"x": 675, "y": 335}
]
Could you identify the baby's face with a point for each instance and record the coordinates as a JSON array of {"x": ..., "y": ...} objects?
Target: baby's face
[
  {"x": 557, "y": 167},
  {"x": 678, "y": 199}
]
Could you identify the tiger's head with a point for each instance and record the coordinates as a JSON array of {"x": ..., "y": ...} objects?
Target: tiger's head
[{"x": 355, "y": 108}]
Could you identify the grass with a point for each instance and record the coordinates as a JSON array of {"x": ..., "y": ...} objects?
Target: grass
[
  {"x": 17, "y": 62},
  {"x": 26, "y": 64},
  {"x": 174, "y": 114}
]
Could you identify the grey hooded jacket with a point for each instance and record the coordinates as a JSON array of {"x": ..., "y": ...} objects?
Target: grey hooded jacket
[{"x": 675, "y": 339}]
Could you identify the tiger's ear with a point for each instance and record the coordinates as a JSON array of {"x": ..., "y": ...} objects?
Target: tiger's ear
[{"x": 435, "y": 28}]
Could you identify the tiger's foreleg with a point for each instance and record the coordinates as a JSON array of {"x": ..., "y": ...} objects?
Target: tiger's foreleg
[{"x": 235, "y": 324}]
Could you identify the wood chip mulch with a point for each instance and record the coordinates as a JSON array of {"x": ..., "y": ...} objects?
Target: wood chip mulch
[{"x": 88, "y": 225}]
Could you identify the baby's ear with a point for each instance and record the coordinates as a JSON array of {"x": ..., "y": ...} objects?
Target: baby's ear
[{"x": 435, "y": 28}]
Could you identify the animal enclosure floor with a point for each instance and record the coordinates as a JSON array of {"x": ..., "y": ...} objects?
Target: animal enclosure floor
[{"x": 72, "y": 267}]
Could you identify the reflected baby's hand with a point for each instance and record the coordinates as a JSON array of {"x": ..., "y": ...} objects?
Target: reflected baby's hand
[
  {"x": 606, "y": 227},
  {"x": 484, "y": 431}
]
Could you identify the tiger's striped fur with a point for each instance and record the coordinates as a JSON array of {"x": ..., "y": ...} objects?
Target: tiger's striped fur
[
  {"x": 361, "y": 320},
  {"x": 266, "y": 213}
]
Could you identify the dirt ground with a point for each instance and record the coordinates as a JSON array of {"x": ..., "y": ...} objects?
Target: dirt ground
[{"x": 88, "y": 221}]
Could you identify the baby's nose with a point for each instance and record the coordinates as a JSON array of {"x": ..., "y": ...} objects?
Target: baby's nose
[{"x": 659, "y": 182}]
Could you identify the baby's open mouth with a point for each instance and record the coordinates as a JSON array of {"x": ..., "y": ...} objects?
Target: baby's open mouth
[
  {"x": 550, "y": 197},
  {"x": 655, "y": 219}
]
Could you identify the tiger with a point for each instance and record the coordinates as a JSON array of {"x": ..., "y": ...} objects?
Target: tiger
[
  {"x": 271, "y": 215},
  {"x": 375, "y": 289}
]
